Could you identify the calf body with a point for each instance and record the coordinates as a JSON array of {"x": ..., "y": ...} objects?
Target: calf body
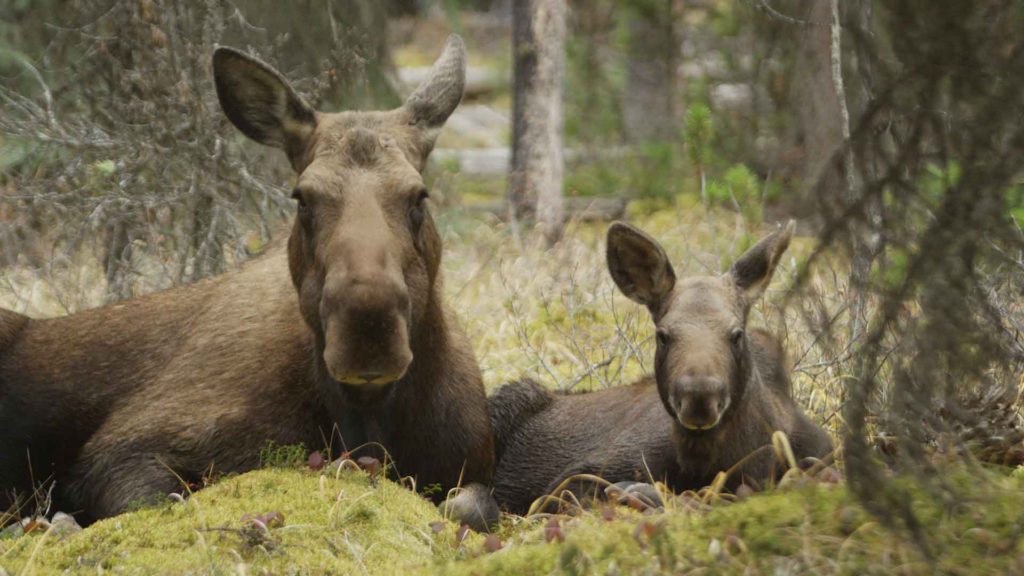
[
  {"x": 338, "y": 337},
  {"x": 710, "y": 406}
]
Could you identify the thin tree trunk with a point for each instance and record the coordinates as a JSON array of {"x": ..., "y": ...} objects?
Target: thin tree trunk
[
  {"x": 816, "y": 97},
  {"x": 535, "y": 180},
  {"x": 649, "y": 110}
]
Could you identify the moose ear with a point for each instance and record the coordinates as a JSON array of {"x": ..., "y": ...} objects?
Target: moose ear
[
  {"x": 440, "y": 93},
  {"x": 753, "y": 271},
  {"x": 639, "y": 265},
  {"x": 260, "y": 102}
]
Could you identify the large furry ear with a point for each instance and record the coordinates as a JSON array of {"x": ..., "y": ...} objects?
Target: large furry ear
[
  {"x": 639, "y": 265},
  {"x": 260, "y": 102},
  {"x": 753, "y": 270},
  {"x": 440, "y": 93}
]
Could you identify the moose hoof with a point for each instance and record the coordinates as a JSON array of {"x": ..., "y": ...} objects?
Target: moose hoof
[
  {"x": 472, "y": 505},
  {"x": 637, "y": 495}
]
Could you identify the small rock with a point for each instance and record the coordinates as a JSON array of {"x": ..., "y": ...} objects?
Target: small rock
[
  {"x": 744, "y": 491},
  {"x": 13, "y": 531},
  {"x": 715, "y": 549},
  {"x": 437, "y": 527},
  {"x": 64, "y": 525}
]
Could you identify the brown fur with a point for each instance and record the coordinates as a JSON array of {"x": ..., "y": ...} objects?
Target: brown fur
[
  {"x": 113, "y": 402},
  {"x": 642, "y": 432}
]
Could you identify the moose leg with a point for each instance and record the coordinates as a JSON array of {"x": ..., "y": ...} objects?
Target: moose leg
[
  {"x": 474, "y": 505},
  {"x": 108, "y": 480}
]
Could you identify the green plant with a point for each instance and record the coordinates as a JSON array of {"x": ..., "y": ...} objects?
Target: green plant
[{"x": 274, "y": 455}]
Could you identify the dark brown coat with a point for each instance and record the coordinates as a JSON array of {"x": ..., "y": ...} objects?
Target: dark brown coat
[
  {"x": 113, "y": 403},
  {"x": 718, "y": 393}
]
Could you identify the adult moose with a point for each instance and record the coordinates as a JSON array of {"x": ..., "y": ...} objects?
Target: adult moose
[
  {"x": 718, "y": 393},
  {"x": 341, "y": 330}
]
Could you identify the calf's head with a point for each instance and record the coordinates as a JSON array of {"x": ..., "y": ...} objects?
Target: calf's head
[
  {"x": 363, "y": 252},
  {"x": 702, "y": 361}
]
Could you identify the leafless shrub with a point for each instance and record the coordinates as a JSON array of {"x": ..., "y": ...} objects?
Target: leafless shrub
[
  {"x": 125, "y": 157},
  {"x": 939, "y": 150}
]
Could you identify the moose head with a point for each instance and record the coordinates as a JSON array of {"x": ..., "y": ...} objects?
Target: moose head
[
  {"x": 702, "y": 363},
  {"x": 363, "y": 252}
]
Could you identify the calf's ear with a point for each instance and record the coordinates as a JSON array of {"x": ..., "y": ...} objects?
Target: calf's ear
[
  {"x": 753, "y": 270},
  {"x": 260, "y": 102},
  {"x": 639, "y": 265}
]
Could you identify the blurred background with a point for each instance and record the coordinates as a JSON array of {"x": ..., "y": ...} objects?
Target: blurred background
[{"x": 892, "y": 131}]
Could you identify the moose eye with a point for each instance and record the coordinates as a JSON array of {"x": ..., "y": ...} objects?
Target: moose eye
[
  {"x": 662, "y": 337},
  {"x": 416, "y": 212},
  {"x": 736, "y": 337}
]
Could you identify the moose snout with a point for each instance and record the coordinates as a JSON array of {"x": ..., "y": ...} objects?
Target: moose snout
[
  {"x": 699, "y": 402},
  {"x": 366, "y": 330}
]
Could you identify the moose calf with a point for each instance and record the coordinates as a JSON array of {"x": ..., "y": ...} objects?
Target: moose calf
[{"x": 718, "y": 392}]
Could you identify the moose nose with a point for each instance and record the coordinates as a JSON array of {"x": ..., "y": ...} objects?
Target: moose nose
[{"x": 700, "y": 402}]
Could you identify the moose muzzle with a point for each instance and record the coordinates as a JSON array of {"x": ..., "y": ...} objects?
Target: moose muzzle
[
  {"x": 699, "y": 403},
  {"x": 366, "y": 331}
]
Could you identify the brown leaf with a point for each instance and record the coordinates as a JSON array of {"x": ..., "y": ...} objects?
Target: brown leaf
[
  {"x": 316, "y": 461},
  {"x": 553, "y": 531},
  {"x": 462, "y": 532},
  {"x": 370, "y": 464},
  {"x": 492, "y": 543}
]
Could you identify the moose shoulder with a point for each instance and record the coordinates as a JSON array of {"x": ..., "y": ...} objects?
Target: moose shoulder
[
  {"x": 718, "y": 392},
  {"x": 341, "y": 332}
]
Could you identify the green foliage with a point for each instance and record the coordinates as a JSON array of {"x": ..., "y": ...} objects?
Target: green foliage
[
  {"x": 699, "y": 132},
  {"x": 282, "y": 456},
  {"x": 740, "y": 189}
]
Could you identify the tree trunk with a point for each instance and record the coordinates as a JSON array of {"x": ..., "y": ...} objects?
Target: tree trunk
[
  {"x": 535, "y": 180},
  {"x": 818, "y": 107},
  {"x": 649, "y": 111}
]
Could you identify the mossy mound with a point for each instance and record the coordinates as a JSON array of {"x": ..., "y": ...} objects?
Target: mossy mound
[
  {"x": 349, "y": 524},
  {"x": 804, "y": 529},
  {"x": 333, "y": 523}
]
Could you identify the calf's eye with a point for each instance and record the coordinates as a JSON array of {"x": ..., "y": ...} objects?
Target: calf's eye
[
  {"x": 303, "y": 210},
  {"x": 662, "y": 337},
  {"x": 736, "y": 337},
  {"x": 417, "y": 211}
]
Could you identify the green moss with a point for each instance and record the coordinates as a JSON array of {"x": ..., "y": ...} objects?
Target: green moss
[
  {"x": 348, "y": 523},
  {"x": 339, "y": 524}
]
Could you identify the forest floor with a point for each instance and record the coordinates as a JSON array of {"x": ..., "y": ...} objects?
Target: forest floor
[{"x": 555, "y": 315}]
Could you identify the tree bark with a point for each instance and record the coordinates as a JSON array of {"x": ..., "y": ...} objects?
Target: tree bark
[
  {"x": 818, "y": 106},
  {"x": 535, "y": 180},
  {"x": 649, "y": 111}
]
